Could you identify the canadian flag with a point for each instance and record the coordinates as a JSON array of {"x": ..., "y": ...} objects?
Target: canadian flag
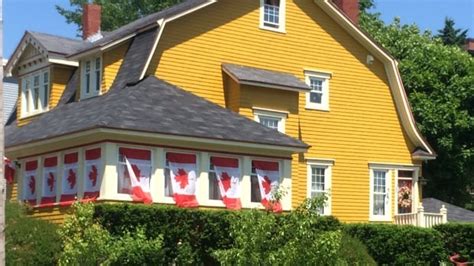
[
  {"x": 134, "y": 176},
  {"x": 50, "y": 168},
  {"x": 228, "y": 175},
  {"x": 92, "y": 176},
  {"x": 9, "y": 170},
  {"x": 268, "y": 180},
  {"x": 183, "y": 178},
  {"x": 69, "y": 180},
  {"x": 29, "y": 182}
]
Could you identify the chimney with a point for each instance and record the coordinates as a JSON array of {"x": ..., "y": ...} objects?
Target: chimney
[
  {"x": 90, "y": 20},
  {"x": 350, "y": 8}
]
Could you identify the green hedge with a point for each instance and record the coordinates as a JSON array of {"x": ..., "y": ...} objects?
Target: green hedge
[
  {"x": 29, "y": 241},
  {"x": 187, "y": 233},
  {"x": 458, "y": 238},
  {"x": 399, "y": 245}
]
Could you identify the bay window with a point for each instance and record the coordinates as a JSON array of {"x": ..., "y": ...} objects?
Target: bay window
[
  {"x": 91, "y": 77},
  {"x": 140, "y": 162},
  {"x": 35, "y": 93}
]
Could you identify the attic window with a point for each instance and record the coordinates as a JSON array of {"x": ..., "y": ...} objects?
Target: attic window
[
  {"x": 272, "y": 15},
  {"x": 34, "y": 93},
  {"x": 91, "y": 77}
]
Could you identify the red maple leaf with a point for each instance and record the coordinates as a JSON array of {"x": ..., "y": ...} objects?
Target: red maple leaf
[
  {"x": 51, "y": 181},
  {"x": 32, "y": 184},
  {"x": 267, "y": 184},
  {"x": 93, "y": 175},
  {"x": 71, "y": 178},
  {"x": 225, "y": 179},
  {"x": 182, "y": 178}
]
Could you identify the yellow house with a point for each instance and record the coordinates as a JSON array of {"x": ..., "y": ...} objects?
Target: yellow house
[{"x": 288, "y": 92}]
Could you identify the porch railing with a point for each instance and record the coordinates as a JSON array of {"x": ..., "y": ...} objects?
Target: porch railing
[{"x": 422, "y": 218}]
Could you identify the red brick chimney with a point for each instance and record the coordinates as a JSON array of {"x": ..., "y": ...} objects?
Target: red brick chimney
[
  {"x": 350, "y": 8},
  {"x": 90, "y": 20}
]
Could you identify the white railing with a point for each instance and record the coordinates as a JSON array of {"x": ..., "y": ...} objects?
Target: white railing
[{"x": 422, "y": 218}]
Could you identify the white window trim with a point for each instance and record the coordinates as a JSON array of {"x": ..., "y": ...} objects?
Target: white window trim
[
  {"x": 325, "y": 77},
  {"x": 282, "y": 17},
  {"x": 44, "y": 103},
  {"x": 281, "y": 115},
  {"x": 93, "y": 90},
  {"x": 414, "y": 179},
  {"x": 328, "y": 165},
  {"x": 387, "y": 217}
]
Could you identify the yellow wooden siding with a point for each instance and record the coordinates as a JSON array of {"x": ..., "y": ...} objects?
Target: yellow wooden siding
[
  {"x": 55, "y": 214},
  {"x": 60, "y": 76},
  {"x": 112, "y": 60},
  {"x": 362, "y": 125}
]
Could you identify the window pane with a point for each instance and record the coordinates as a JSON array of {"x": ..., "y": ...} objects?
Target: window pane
[
  {"x": 97, "y": 74},
  {"x": 315, "y": 97},
  {"x": 27, "y": 100},
  {"x": 88, "y": 76},
  {"x": 214, "y": 192},
  {"x": 379, "y": 205},
  {"x": 35, "y": 98},
  {"x": 271, "y": 13},
  {"x": 168, "y": 187},
  {"x": 269, "y": 122},
  {"x": 255, "y": 195},
  {"x": 405, "y": 196},
  {"x": 318, "y": 179}
]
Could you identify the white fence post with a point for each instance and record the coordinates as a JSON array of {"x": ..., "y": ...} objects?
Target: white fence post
[
  {"x": 444, "y": 213},
  {"x": 421, "y": 216}
]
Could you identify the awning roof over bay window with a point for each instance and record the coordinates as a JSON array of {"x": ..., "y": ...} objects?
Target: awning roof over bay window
[
  {"x": 264, "y": 78},
  {"x": 151, "y": 106}
]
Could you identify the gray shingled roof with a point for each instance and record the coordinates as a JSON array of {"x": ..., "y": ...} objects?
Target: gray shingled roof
[
  {"x": 455, "y": 213},
  {"x": 139, "y": 24},
  {"x": 149, "y": 106},
  {"x": 264, "y": 77},
  {"x": 57, "y": 44}
]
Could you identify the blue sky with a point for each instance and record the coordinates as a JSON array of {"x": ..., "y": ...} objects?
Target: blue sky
[{"x": 41, "y": 15}]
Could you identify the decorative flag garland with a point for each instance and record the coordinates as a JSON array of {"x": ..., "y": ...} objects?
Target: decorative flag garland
[
  {"x": 29, "y": 182},
  {"x": 183, "y": 178},
  {"x": 9, "y": 170},
  {"x": 92, "y": 174},
  {"x": 228, "y": 176},
  {"x": 69, "y": 179},
  {"x": 50, "y": 168},
  {"x": 135, "y": 175},
  {"x": 268, "y": 180}
]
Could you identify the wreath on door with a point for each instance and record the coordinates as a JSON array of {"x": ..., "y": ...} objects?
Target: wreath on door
[{"x": 404, "y": 196}]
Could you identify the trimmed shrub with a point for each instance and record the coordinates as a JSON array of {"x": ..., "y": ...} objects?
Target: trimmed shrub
[
  {"x": 29, "y": 241},
  {"x": 190, "y": 236},
  {"x": 353, "y": 252},
  {"x": 399, "y": 245},
  {"x": 458, "y": 238}
]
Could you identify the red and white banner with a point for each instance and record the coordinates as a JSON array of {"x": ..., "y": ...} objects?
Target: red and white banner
[
  {"x": 268, "y": 180},
  {"x": 29, "y": 182},
  {"x": 9, "y": 170},
  {"x": 183, "y": 178},
  {"x": 228, "y": 175},
  {"x": 69, "y": 180},
  {"x": 93, "y": 165},
  {"x": 135, "y": 174},
  {"x": 50, "y": 173}
]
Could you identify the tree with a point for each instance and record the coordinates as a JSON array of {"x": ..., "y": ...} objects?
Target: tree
[
  {"x": 450, "y": 35},
  {"x": 114, "y": 13},
  {"x": 439, "y": 81}
]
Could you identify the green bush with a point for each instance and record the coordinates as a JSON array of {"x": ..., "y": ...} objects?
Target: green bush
[
  {"x": 88, "y": 243},
  {"x": 353, "y": 252},
  {"x": 29, "y": 241},
  {"x": 399, "y": 245},
  {"x": 458, "y": 238},
  {"x": 189, "y": 236}
]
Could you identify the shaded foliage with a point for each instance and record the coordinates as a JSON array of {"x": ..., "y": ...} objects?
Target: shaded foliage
[
  {"x": 450, "y": 35},
  {"x": 458, "y": 238}
]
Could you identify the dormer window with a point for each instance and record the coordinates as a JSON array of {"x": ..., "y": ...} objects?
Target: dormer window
[
  {"x": 34, "y": 93},
  {"x": 91, "y": 77},
  {"x": 272, "y": 15}
]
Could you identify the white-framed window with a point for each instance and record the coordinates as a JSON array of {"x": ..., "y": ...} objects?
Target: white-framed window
[
  {"x": 169, "y": 192},
  {"x": 272, "y": 15},
  {"x": 91, "y": 77},
  {"x": 318, "y": 97},
  {"x": 405, "y": 191},
  {"x": 140, "y": 162},
  {"x": 271, "y": 119},
  {"x": 35, "y": 93},
  {"x": 319, "y": 182},
  {"x": 380, "y": 194}
]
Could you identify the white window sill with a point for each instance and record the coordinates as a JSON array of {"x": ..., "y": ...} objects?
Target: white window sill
[
  {"x": 31, "y": 114},
  {"x": 277, "y": 30},
  {"x": 379, "y": 219}
]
